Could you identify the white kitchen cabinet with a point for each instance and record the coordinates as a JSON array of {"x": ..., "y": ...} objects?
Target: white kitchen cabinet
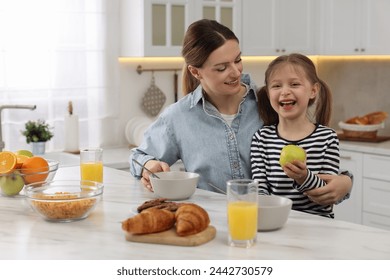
[
  {"x": 355, "y": 27},
  {"x": 369, "y": 203},
  {"x": 351, "y": 209},
  {"x": 376, "y": 191},
  {"x": 156, "y": 27},
  {"x": 148, "y": 29},
  {"x": 279, "y": 27}
]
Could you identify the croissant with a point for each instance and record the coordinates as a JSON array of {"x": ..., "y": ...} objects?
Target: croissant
[
  {"x": 149, "y": 221},
  {"x": 191, "y": 219}
]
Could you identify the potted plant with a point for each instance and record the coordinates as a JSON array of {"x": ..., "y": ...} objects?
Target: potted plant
[{"x": 37, "y": 133}]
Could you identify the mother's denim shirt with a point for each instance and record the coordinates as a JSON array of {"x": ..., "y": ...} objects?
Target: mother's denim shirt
[{"x": 194, "y": 131}]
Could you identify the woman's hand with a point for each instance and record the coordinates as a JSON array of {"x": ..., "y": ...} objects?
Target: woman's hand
[
  {"x": 154, "y": 166},
  {"x": 337, "y": 186}
]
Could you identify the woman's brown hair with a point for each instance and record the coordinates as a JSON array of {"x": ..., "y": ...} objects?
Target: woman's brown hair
[
  {"x": 201, "y": 39},
  {"x": 323, "y": 100}
]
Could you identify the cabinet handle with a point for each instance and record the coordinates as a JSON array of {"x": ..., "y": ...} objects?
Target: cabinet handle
[
  {"x": 362, "y": 49},
  {"x": 277, "y": 50},
  {"x": 283, "y": 50},
  {"x": 356, "y": 50},
  {"x": 346, "y": 157}
]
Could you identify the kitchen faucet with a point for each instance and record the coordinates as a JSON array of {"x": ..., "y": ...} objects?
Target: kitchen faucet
[{"x": 30, "y": 107}]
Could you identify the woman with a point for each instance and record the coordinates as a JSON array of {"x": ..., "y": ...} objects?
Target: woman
[{"x": 210, "y": 129}]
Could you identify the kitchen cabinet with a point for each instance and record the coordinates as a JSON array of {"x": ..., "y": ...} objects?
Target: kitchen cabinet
[
  {"x": 351, "y": 209},
  {"x": 156, "y": 27},
  {"x": 376, "y": 191},
  {"x": 369, "y": 203},
  {"x": 279, "y": 27},
  {"x": 355, "y": 27}
]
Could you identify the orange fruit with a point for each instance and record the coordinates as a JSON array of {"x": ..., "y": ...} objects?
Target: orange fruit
[
  {"x": 35, "y": 169},
  {"x": 20, "y": 159},
  {"x": 7, "y": 162}
]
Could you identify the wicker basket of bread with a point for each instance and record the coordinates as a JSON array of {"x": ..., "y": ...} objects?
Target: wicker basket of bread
[{"x": 365, "y": 127}]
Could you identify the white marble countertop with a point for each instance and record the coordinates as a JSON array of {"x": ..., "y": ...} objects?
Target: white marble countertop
[
  {"x": 381, "y": 148},
  {"x": 25, "y": 235}
]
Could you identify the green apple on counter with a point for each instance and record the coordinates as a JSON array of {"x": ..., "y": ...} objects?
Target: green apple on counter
[
  {"x": 290, "y": 153},
  {"x": 11, "y": 184}
]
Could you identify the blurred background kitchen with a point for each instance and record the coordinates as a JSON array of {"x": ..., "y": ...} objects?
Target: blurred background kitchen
[{"x": 87, "y": 52}]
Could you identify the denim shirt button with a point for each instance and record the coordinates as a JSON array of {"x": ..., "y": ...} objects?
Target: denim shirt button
[{"x": 231, "y": 136}]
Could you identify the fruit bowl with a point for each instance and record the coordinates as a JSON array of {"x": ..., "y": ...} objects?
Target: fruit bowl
[
  {"x": 12, "y": 183},
  {"x": 64, "y": 200}
]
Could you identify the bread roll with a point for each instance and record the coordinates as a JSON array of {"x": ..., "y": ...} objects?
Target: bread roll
[
  {"x": 371, "y": 118},
  {"x": 376, "y": 117},
  {"x": 191, "y": 219},
  {"x": 150, "y": 221}
]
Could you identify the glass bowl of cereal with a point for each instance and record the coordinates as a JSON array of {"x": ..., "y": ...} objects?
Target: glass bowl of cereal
[{"x": 64, "y": 200}]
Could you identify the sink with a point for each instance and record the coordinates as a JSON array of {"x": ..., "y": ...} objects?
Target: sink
[{"x": 65, "y": 159}]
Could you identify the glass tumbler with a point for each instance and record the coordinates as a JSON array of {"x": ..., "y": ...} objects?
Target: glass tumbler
[
  {"x": 242, "y": 212},
  {"x": 91, "y": 165}
]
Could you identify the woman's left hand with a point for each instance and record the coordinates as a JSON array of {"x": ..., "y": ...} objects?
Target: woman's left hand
[{"x": 337, "y": 186}]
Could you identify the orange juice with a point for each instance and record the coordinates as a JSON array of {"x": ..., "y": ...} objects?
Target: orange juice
[
  {"x": 92, "y": 171},
  {"x": 242, "y": 219}
]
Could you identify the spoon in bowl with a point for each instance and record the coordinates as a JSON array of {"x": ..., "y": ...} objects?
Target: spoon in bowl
[
  {"x": 216, "y": 188},
  {"x": 151, "y": 173}
]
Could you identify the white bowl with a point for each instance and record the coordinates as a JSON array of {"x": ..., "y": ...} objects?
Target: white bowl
[
  {"x": 359, "y": 127},
  {"x": 273, "y": 212},
  {"x": 175, "y": 185}
]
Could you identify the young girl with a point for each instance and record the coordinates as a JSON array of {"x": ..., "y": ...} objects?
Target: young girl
[{"x": 291, "y": 87}]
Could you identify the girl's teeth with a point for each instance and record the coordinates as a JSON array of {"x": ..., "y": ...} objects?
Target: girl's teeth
[{"x": 287, "y": 103}]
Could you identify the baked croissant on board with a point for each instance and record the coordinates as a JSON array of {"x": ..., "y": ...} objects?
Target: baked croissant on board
[
  {"x": 191, "y": 219},
  {"x": 149, "y": 221}
]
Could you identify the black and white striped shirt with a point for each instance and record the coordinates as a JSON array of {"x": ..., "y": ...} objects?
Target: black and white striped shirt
[{"x": 322, "y": 156}]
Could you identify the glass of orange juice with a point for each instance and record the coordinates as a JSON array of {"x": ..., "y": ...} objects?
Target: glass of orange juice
[
  {"x": 242, "y": 212},
  {"x": 91, "y": 165}
]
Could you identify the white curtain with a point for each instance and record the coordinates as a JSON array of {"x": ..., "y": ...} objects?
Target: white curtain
[{"x": 53, "y": 52}]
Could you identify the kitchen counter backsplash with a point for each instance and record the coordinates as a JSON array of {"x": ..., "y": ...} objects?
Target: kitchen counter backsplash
[{"x": 359, "y": 86}]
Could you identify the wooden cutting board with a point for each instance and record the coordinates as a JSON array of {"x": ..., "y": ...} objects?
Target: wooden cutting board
[{"x": 170, "y": 237}]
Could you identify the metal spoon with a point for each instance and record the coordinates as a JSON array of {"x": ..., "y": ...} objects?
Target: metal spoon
[
  {"x": 151, "y": 173},
  {"x": 215, "y": 187}
]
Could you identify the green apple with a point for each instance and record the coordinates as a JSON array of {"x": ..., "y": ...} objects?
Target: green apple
[
  {"x": 26, "y": 153},
  {"x": 11, "y": 184},
  {"x": 290, "y": 153}
]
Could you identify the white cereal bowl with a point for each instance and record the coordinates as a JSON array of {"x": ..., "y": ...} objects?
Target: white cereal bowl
[
  {"x": 174, "y": 185},
  {"x": 273, "y": 212}
]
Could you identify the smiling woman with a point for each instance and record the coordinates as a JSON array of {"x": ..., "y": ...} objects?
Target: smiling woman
[{"x": 52, "y": 52}]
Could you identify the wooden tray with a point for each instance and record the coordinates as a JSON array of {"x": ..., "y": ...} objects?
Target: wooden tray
[
  {"x": 377, "y": 139},
  {"x": 170, "y": 237}
]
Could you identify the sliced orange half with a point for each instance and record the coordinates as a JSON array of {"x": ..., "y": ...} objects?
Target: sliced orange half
[
  {"x": 20, "y": 159},
  {"x": 8, "y": 162}
]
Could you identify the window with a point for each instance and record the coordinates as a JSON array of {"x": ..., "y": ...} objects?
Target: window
[{"x": 53, "y": 52}]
